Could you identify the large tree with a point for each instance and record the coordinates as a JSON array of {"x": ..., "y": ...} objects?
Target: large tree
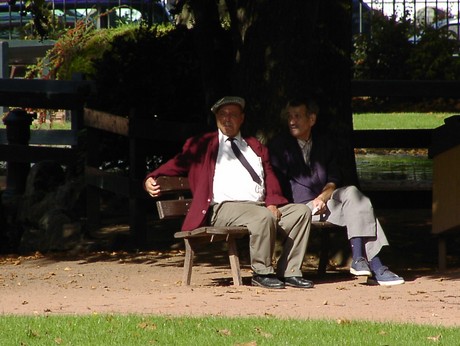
[{"x": 272, "y": 50}]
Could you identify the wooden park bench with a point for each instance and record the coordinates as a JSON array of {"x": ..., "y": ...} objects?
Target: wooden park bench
[{"x": 174, "y": 203}]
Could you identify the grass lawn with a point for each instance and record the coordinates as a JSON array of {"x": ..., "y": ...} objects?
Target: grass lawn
[
  {"x": 385, "y": 121},
  {"x": 153, "y": 330},
  {"x": 361, "y": 121}
]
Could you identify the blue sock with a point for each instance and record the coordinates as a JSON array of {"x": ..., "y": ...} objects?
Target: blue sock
[
  {"x": 357, "y": 245},
  {"x": 375, "y": 263}
]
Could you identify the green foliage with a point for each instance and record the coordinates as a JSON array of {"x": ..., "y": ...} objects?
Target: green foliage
[
  {"x": 433, "y": 57},
  {"x": 154, "y": 70},
  {"x": 75, "y": 51},
  {"x": 146, "y": 330},
  {"x": 45, "y": 24},
  {"x": 384, "y": 52},
  {"x": 388, "y": 53}
]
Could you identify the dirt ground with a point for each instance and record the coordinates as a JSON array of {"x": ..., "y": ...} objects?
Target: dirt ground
[
  {"x": 106, "y": 282},
  {"x": 149, "y": 283}
]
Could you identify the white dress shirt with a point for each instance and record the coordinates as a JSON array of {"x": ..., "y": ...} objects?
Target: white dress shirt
[{"x": 232, "y": 182}]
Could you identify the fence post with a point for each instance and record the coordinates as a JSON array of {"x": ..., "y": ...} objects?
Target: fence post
[
  {"x": 17, "y": 123},
  {"x": 4, "y": 67}
]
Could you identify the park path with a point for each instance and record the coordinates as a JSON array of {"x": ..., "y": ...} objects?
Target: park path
[{"x": 149, "y": 283}]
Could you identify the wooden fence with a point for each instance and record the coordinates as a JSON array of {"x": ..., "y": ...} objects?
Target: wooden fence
[
  {"x": 143, "y": 132},
  {"x": 64, "y": 95},
  {"x": 39, "y": 94}
]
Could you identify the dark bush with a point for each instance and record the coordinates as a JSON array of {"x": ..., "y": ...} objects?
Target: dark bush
[{"x": 157, "y": 73}]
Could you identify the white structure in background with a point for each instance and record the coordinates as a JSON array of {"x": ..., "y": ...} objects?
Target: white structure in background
[{"x": 422, "y": 9}]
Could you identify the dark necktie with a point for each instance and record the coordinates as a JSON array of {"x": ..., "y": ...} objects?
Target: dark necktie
[{"x": 239, "y": 155}]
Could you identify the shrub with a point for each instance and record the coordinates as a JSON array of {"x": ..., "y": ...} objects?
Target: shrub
[{"x": 383, "y": 53}]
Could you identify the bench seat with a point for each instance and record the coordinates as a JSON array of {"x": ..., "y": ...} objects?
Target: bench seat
[{"x": 174, "y": 203}]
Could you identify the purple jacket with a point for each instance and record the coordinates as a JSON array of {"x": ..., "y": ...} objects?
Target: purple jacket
[
  {"x": 299, "y": 182},
  {"x": 198, "y": 161}
]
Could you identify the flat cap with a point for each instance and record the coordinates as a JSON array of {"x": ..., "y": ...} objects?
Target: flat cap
[{"x": 235, "y": 100}]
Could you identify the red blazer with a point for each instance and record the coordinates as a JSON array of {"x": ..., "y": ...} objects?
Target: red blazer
[{"x": 198, "y": 161}]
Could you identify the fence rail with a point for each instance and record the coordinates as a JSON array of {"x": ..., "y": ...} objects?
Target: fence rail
[{"x": 70, "y": 95}]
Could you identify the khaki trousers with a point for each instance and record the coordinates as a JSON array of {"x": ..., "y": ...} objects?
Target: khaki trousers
[{"x": 293, "y": 227}]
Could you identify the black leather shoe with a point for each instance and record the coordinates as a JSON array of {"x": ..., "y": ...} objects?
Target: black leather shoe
[
  {"x": 267, "y": 281},
  {"x": 298, "y": 281}
]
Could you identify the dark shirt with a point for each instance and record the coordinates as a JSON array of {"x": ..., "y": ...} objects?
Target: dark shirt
[{"x": 302, "y": 183}]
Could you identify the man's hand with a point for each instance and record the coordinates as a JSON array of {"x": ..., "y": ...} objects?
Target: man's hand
[
  {"x": 319, "y": 203},
  {"x": 319, "y": 206},
  {"x": 275, "y": 211},
  {"x": 152, "y": 187}
]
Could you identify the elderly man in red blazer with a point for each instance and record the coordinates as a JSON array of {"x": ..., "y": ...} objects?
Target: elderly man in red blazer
[{"x": 230, "y": 190}]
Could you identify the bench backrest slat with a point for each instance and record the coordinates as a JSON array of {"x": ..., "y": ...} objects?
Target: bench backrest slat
[
  {"x": 173, "y": 184},
  {"x": 174, "y": 208},
  {"x": 177, "y": 193}
]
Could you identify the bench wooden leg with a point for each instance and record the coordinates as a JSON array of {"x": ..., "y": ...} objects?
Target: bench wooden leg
[
  {"x": 234, "y": 262},
  {"x": 188, "y": 263},
  {"x": 442, "y": 253},
  {"x": 324, "y": 252}
]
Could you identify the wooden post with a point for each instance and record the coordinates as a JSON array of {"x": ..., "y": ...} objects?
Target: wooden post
[
  {"x": 137, "y": 171},
  {"x": 4, "y": 69},
  {"x": 93, "y": 193}
]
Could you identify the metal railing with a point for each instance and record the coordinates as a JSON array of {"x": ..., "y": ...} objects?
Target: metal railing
[
  {"x": 16, "y": 20},
  {"x": 421, "y": 13}
]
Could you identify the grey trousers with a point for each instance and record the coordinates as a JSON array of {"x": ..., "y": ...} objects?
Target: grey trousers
[
  {"x": 293, "y": 227},
  {"x": 351, "y": 208}
]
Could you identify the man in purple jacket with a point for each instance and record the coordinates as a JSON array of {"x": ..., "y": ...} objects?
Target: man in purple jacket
[
  {"x": 306, "y": 165},
  {"x": 228, "y": 193}
]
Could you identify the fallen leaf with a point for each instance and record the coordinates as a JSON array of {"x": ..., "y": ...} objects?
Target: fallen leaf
[
  {"x": 33, "y": 333},
  {"x": 224, "y": 332},
  {"x": 250, "y": 343},
  {"x": 264, "y": 334},
  {"x": 49, "y": 276},
  {"x": 343, "y": 321},
  {"x": 147, "y": 326},
  {"x": 435, "y": 338}
]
